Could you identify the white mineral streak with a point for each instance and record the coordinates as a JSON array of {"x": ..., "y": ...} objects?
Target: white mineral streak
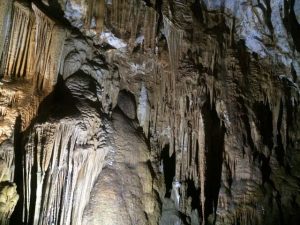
[
  {"x": 174, "y": 38},
  {"x": 85, "y": 14},
  {"x": 75, "y": 12},
  {"x": 252, "y": 26},
  {"x": 175, "y": 193},
  {"x": 111, "y": 39},
  {"x": 143, "y": 111}
]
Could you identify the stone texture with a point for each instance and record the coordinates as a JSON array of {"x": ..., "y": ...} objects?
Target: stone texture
[{"x": 216, "y": 97}]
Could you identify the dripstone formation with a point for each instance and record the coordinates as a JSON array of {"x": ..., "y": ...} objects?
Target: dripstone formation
[{"x": 150, "y": 112}]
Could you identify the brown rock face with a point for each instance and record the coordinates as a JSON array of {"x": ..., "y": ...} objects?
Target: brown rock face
[{"x": 149, "y": 112}]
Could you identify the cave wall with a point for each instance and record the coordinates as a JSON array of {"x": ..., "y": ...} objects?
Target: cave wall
[{"x": 211, "y": 87}]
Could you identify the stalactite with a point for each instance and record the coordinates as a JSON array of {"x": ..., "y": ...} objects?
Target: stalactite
[
  {"x": 202, "y": 164},
  {"x": 49, "y": 40},
  {"x": 16, "y": 62},
  {"x": 174, "y": 38},
  {"x": 7, "y": 163},
  {"x": 65, "y": 173},
  {"x": 35, "y": 47},
  {"x": 95, "y": 14},
  {"x": 126, "y": 17},
  {"x": 5, "y": 30},
  {"x": 121, "y": 15},
  {"x": 150, "y": 26}
]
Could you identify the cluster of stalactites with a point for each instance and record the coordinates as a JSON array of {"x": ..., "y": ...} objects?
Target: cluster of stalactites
[
  {"x": 174, "y": 38},
  {"x": 178, "y": 119},
  {"x": 18, "y": 61},
  {"x": 184, "y": 131},
  {"x": 5, "y": 22},
  {"x": 65, "y": 174},
  {"x": 95, "y": 14},
  {"x": 127, "y": 17},
  {"x": 150, "y": 26},
  {"x": 35, "y": 47}
]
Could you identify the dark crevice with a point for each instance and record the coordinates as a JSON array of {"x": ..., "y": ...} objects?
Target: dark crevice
[
  {"x": 243, "y": 57},
  {"x": 168, "y": 169},
  {"x": 265, "y": 168},
  {"x": 16, "y": 217},
  {"x": 279, "y": 149},
  {"x": 197, "y": 11},
  {"x": 264, "y": 122},
  {"x": 294, "y": 26},
  {"x": 246, "y": 122},
  {"x": 279, "y": 205},
  {"x": 194, "y": 193},
  {"x": 59, "y": 104},
  {"x": 214, "y": 143}
]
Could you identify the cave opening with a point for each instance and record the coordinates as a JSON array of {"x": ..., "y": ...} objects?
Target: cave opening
[{"x": 168, "y": 169}]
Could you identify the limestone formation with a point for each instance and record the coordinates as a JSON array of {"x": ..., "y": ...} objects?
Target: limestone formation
[{"x": 149, "y": 112}]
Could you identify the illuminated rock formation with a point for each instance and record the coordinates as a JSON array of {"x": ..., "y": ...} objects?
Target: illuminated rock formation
[
  {"x": 149, "y": 112},
  {"x": 8, "y": 201},
  {"x": 35, "y": 47}
]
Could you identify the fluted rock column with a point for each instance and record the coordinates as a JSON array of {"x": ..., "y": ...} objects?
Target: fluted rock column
[{"x": 5, "y": 26}]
